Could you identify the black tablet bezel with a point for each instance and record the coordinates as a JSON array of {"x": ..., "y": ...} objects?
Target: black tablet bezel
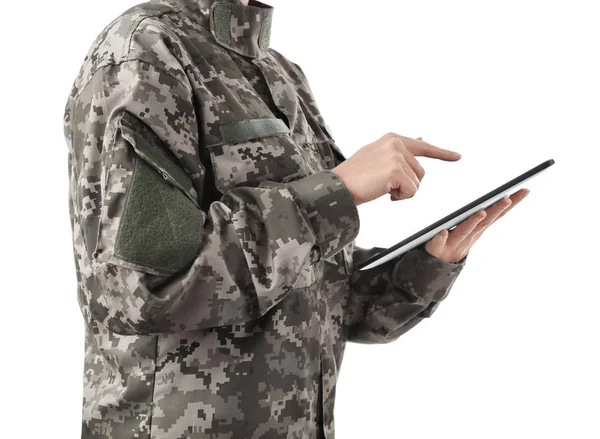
[{"x": 515, "y": 181}]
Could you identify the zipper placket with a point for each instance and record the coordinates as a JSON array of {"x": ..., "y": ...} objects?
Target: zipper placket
[{"x": 166, "y": 176}]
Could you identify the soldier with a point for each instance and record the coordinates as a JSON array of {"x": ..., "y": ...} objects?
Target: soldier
[{"x": 214, "y": 219}]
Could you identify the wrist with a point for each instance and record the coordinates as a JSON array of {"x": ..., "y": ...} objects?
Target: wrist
[{"x": 341, "y": 176}]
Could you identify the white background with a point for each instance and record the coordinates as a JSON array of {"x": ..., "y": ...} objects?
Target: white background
[{"x": 513, "y": 351}]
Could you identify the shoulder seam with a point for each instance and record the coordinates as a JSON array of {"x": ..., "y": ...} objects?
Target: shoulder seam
[
  {"x": 129, "y": 37},
  {"x": 101, "y": 66}
]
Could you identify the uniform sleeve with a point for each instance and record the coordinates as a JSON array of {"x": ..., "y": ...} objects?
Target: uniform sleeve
[
  {"x": 388, "y": 300},
  {"x": 159, "y": 263}
]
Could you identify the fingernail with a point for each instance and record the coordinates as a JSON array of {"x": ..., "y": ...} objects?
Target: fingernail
[{"x": 457, "y": 155}]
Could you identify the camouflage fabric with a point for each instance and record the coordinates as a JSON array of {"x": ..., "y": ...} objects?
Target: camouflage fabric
[{"x": 213, "y": 245}]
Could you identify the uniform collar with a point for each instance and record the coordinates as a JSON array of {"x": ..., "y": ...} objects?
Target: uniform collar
[{"x": 243, "y": 29}]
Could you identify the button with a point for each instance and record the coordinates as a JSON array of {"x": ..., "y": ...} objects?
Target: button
[
  {"x": 428, "y": 312},
  {"x": 314, "y": 254}
]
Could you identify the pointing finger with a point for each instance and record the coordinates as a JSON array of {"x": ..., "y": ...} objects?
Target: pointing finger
[
  {"x": 418, "y": 147},
  {"x": 428, "y": 150}
]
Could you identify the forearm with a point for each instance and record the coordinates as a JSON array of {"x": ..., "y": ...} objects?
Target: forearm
[
  {"x": 390, "y": 299},
  {"x": 156, "y": 257},
  {"x": 256, "y": 244}
]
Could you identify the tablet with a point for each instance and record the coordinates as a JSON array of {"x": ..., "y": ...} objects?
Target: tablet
[{"x": 452, "y": 220}]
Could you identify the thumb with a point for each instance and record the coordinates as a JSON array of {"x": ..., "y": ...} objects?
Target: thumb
[{"x": 438, "y": 242}]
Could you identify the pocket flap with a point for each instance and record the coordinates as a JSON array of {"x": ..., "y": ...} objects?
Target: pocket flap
[
  {"x": 152, "y": 149},
  {"x": 249, "y": 129}
]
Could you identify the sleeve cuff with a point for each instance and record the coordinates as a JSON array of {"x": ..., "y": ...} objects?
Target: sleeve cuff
[
  {"x": 425, "y": 276},
  {"x": 330, "y": 210}
]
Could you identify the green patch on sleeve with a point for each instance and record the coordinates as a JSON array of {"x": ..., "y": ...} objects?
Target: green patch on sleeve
[
  {"x": 161, "y": 227},
  {"x": 147, "y": 144}
]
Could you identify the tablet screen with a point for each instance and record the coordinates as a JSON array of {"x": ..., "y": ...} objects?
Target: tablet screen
[{"x": 452, "y": 220}]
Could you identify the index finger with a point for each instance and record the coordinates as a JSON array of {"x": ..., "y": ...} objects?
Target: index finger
[{"x": 424, "y": 149}]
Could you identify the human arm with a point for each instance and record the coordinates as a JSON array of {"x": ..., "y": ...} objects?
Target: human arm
[
  {"x": 156, "y": 262},
  {"x": 388, "y": 300}
]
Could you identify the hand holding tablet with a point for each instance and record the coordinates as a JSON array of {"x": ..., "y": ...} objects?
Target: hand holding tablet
[
  {"x": 389, "y": 166},
  {"x": 463, "y": 218}
]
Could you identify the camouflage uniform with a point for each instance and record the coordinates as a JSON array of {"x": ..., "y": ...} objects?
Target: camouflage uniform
[{"x": 213, "y": 245}]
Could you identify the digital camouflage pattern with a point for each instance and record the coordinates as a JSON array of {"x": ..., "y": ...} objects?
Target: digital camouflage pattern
[{"x": 214, "y": 247}]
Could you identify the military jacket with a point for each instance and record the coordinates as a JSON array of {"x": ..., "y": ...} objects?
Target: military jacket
[{"x": 213, "y": 245}]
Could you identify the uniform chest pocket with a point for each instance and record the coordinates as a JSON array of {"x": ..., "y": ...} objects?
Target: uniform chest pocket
[{"x": 255, "y": 150}]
